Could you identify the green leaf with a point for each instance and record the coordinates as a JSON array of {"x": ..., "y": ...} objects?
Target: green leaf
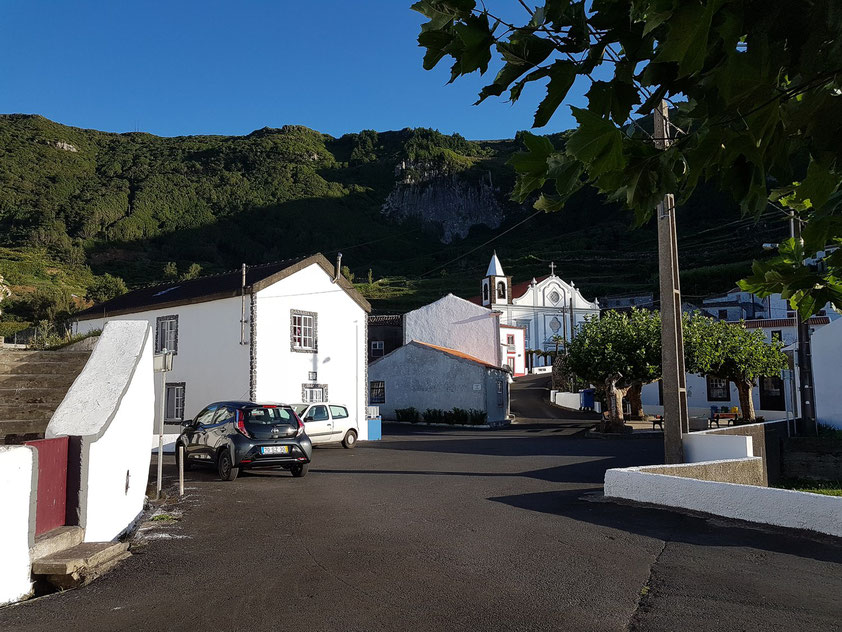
[
  {"x": 818, "y": 186},
  {"x": 687, "y": 36},
  {"x": 597, "y": 143},
  {"x": 613, "y": 98},
  {"x": 562, "y": 74}
]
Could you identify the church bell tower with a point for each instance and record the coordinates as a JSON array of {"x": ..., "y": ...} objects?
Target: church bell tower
[{"x": 495, "y": 285}]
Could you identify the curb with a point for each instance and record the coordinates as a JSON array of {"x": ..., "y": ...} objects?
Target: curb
[
  {"x": 492, "y": 426},
  {"x": 619, "y": 436}
]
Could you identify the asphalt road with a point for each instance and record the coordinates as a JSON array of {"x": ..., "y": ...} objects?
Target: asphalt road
[
  {"x": 450, "y": 530},
  {"x": 531, "y": 407}
]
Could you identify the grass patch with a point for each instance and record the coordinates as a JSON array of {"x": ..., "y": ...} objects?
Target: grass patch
[
  {"x": 828, "y": 488},
  {"x": 164, "y": 518}
]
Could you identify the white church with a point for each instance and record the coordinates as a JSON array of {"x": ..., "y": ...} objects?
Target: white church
[{"x": 545, "y": 308}]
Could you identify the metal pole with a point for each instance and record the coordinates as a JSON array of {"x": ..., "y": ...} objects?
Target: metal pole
[
  {"x": 676, "y": 416},
  {"x": 180, "y": 470},
  {"x": 161, "y": 434},
  {"x": 805, "y": 360}
]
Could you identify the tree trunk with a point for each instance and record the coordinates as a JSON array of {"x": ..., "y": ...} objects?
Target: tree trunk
[
  {"x": 746, "y": 400},
  {"x": 614, "y": 396},
  {"x": 635, "y": 400}
]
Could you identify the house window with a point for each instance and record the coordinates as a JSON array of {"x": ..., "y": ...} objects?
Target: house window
[
  {"x": 723, "y": 314},
  {"x": 166, "y": 334},
  {"x": 174, "y": 407},
  {"x": 313, "y": 393},
  {"x": 376, "y": 348},
  {"x": 312, "y": 376},
  {"x": 377, "y": 392},
  {"x": 718, "y": 389},
  {"x": 302, "y": 334},
  {"x": 501, "y": 290},
  {"x": 510, "y": 339}
]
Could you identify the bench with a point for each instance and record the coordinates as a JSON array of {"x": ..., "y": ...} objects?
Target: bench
[{"x": 715, "y": 418}]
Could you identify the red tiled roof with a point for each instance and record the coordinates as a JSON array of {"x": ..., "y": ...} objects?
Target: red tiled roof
[{"x": 455, "y": 353}]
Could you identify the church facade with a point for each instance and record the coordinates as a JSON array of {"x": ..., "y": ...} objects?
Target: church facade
[{"x": 548, "y": 309}]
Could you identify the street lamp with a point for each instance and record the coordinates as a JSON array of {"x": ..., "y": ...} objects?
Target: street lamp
[{"x": 162, "y": 363}]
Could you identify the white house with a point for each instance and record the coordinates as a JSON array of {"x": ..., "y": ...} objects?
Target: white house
[
  {"x": 291, "y": 331},
  {"x": 513, "y": 348},
  {"x": 425, "y": 376},
  {"x": 455, "y": 323},
  {"x": 545, "y": 308},
  {"x": 826, "y": 347},
  {"x": 740, "y": 305}
]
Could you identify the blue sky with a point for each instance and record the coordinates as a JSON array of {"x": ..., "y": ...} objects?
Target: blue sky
[{"x": 211, "y": 67}]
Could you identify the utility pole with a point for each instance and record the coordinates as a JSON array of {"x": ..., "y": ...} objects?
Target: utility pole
[
  {"x": 676, "y": 417},
  {"x": 805, "y": 359}
]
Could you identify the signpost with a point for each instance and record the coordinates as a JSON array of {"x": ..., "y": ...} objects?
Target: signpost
[{"x": 162, "y": 363}]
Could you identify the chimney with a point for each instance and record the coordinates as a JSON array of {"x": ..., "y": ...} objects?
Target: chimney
[{"x": 338, "y": 267}]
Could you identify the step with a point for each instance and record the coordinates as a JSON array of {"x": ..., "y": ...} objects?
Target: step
[
  {"x": 23, "y": 426},
  {"x": 34, "y": 380},
  {"x": 26, "y": 411},
  {"x": 42, "y": 368},
  {"x": 12, "y": 357},
  {"x": 76, "y": 557},
  {"x": 58, "y": 539},
  {"x": 32, "y": 395}
]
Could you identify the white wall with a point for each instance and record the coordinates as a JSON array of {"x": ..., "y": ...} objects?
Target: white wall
[
  {"x": 765, "y": 505},
  {"x": 111, "y": 406},
  {"x": 519, "y": 352},
  {"x": 826, "y": 346},
  {"x": 210, "y": 361},
  {"x": 700, "y": 447},
  {"x": 457, "y": 324},
  {"x": 18, "y": 477},
  {"x": 341, "y": 360}
]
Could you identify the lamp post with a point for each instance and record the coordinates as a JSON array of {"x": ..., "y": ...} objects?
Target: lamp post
[{"x": 162, "y": 363}]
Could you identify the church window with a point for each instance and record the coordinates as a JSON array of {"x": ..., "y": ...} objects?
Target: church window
[
  {"x": 485, "y": 291},
  {"x": 555, "y": 324},
  {"x": 501, "y": 290},
  {"x": 554, "y": 297}
]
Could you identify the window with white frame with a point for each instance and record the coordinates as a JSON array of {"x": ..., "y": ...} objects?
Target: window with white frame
[
  {"x": 718, "y": 389},
  {"x": 303, "y": 336},
  {"x": 174, "y": 406},
  {"x": 166, "y": 334},
  {"x": 377, "y": 392},
  {"x": 376, "y": 348},
  {"x": 313, "y": 393}
]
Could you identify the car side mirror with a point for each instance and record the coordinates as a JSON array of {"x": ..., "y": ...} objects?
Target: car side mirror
[
  {"x": 187, "y": 423},
  {"x": 308, "y": 418}
]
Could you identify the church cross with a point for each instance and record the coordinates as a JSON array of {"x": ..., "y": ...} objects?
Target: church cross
[{"x": 552, "y": 268}]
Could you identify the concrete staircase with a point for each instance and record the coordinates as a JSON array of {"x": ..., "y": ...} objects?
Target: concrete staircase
[
  {"x": 32, "y": 385},
  {"x": 60, "y": 559}
]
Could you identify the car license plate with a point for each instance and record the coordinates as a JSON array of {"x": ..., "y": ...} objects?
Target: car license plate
[{"x": 274, "y": 449}]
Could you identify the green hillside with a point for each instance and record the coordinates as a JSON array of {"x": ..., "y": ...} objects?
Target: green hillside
[{"x": 76, "y": 204}]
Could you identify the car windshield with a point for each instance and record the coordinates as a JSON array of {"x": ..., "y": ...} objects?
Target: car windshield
[
  {"x": 300, "y": 408},
  {"x": 270, "y": 415}
]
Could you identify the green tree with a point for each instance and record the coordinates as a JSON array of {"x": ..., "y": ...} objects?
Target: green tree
[
  {"x": 106, "y": 287},
  {"x": 756, "y": 94},
  {"x": 346, "y": 272},
  {"x": 731, "y": 352},
  {"x": 615, "y": 353},
  {"x": 193, "y": 272},
  {"x": 170, "y": 270}
]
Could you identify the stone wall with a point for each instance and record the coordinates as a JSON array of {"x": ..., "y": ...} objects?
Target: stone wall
[
  {"x": 766, "y": 443},
  {"x": 812, "y": 458},
  {"x": 741, "y": 471}
]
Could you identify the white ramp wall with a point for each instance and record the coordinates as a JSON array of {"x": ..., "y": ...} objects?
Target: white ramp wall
[
  {"x": 709, "y": 447},
  {"x": 18, "y": 482},
  {"x": 111, "y": 409}
]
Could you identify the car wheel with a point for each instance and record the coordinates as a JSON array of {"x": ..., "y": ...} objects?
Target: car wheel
[
  {"x": 226, "y": 469},
  {"x": 300, "y": 470},
  {"x": 182, "y": 455},
  {"x": 350, "y": 439}
]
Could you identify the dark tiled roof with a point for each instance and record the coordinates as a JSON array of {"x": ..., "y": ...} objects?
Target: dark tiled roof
[
  {"x": 783, "y": 322},
  {"x": 207, "y": 288}
]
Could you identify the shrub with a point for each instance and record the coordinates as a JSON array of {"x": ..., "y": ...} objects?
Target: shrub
[
  {"x": 477, "y": 417},
  {"x": 434, "y": 416},
  {"x": 407, "y": 414},
  {"x": 460, "y": 416},
  {"x": 105, "y": 288}
]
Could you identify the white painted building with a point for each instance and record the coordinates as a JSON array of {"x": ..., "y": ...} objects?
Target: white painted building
[
  {"x": 544, "y": 308},
  {"x": 291, "y": 331},
  {"x": 513, "y": 348},
  {"x": 827, "y": 374},
  {"x": 740, "y": 305},
  {"x": 455, "y": 323}
]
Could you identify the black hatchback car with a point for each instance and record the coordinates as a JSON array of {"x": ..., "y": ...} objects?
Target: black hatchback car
[{"x": 237, "y": 435}]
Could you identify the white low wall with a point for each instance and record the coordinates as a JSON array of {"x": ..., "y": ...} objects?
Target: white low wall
[
  {"x": 764, "y": 505},
  {"x": 18, "y": 484},
  {"x": 568, "y": 400},
  {"x": 542, "y": 369},
  {"x": 700, "y": 447},
  {"x": 111, "y": 408}
]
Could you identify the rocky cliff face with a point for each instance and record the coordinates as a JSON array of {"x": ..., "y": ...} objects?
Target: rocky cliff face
[{"x": 445, "y": 201}]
